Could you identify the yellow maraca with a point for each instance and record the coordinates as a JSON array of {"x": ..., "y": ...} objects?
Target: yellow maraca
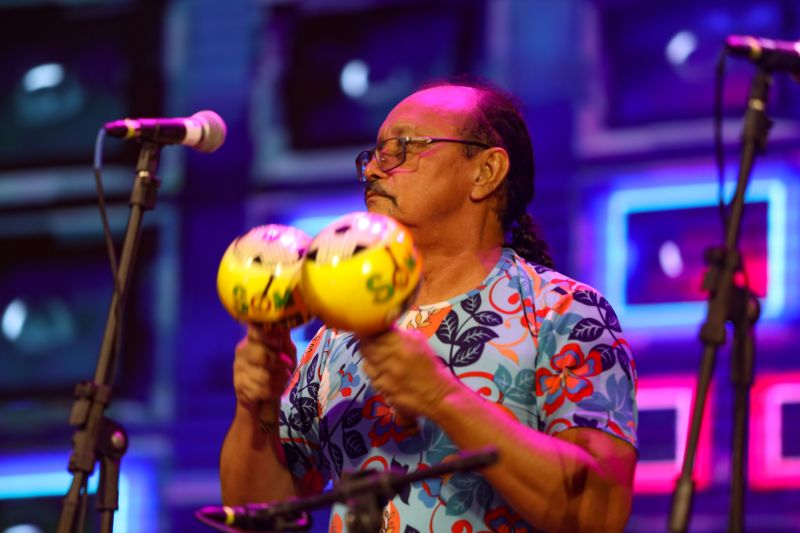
[
  {"x": 259, "y": 274},
  {"x": 360, "y": 273},
  {"x": 258, "y": 281}
]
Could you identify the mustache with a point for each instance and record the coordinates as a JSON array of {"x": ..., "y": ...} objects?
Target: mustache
[{"x": 374, "y": 187}]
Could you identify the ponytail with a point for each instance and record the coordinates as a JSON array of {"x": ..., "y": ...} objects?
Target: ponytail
[{"x": 527, "y": 242}]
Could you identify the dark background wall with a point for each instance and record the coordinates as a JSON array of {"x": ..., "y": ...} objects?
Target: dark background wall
[{"x": 619, "y": 98}]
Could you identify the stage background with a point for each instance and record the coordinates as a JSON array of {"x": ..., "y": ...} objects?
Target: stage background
[{"x": 618, "y": 95}]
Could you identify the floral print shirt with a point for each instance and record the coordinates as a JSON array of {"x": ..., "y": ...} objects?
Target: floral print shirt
[{"x": 547, "y": 349}]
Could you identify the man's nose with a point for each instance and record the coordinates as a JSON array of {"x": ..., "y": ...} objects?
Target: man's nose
[{"x": 372, "y": 171}]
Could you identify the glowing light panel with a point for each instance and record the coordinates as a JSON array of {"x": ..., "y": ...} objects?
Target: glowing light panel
[
  {"x": 14, "y": 318},
  {"x": 680, "y": 47},
  {"x": 44, "y": 76},
  {"x": 43, "y": 475},
  {"x": 677, "y": 393},
  {"x": 769, "y": 468},
  {"x": 354, "y": 79},
  {"x": 626, "y": 202}
]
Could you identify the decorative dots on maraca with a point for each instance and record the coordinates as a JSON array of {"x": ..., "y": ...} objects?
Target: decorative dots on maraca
[
  {"x": 361, "y": 272},
  {"x": 259, "y": 274}
]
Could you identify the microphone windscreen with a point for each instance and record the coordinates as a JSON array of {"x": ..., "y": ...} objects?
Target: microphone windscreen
[{"x": 214, "y": 131}]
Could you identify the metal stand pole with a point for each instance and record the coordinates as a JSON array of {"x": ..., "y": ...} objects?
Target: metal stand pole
[
  {"x": 96, "y": 437},
  {"x": 726, "y": 302}
]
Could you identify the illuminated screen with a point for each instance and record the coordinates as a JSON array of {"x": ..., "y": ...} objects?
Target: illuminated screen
[
  {"x": 55, "y": 291},
  {"x": 41, "y": 513},
  {"x": 790, "y": 444},
  {"x": 774, "y": 454},
  {"x": 73, "y": 69},
  {"x": 659, "y": 57},
  {"x": 345, "y": 70},
  {"x": 33, "y": 486},
  {"x": 656, "y": 238},
  {"x": 656, "y": 432},
  {"x": 665, "y": 404},
  {"x": 666, "y": 252},
  {"x": 54, "y": 295}
]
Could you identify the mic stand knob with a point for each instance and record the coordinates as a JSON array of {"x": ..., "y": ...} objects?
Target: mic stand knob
[{"x": 364, "y": 514}]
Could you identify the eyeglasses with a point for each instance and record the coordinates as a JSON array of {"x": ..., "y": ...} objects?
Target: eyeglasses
[{"x": 391, "y": 153}]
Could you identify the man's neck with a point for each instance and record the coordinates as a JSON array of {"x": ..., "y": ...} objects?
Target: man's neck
[{"x": 448, "y": 272}]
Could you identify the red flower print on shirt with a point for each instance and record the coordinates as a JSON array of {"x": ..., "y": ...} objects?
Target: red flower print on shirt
[
  {"x": 385, "y": 426},
  {"x": 503, "y": 519},
  {"x": 570, "y": 379}
]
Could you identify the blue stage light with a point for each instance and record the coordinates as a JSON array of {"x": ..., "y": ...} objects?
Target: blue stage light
[{"x": 621, "y": 252}]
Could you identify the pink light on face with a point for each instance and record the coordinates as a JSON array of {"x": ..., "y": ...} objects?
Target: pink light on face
[
  {"x": 677, "y": 393},
  {"x": 452, "y": 98},
  {"x": 768, "y": 468}
]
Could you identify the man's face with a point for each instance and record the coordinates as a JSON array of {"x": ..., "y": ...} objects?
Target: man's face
[{"x": 435, "y": 179}]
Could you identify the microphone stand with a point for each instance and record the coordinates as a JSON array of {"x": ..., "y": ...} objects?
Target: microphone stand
[
  {"x": 97, "y": 437},
  {"x": 738, "y": 305},
  {"x": 365, "y": 493}
]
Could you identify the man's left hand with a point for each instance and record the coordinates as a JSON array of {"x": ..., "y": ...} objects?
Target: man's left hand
[{"x": 405, "y": 370}]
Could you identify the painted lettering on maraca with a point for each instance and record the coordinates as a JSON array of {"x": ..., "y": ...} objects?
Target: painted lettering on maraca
[
  {"x": 400, "y": 278},
  {"x": 382, "y": 292},
  {"x": 267, "y": 300},
  {"x": 240, "y": 304},
  {"x": 258, "y": 275},
  {"x": 411, "y": 262},
  {"x": 283, "y": 300}
]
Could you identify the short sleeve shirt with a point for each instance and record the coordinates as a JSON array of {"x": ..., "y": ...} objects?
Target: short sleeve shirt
[{"x": 545, "y": 348}]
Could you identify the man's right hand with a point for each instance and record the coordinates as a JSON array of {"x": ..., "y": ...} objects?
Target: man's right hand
[
  {"x": 264, "y": 363},
  {"x": 252, "y": 464}
]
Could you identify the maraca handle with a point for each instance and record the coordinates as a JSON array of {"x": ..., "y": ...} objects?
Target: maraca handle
[{"x": 271, "y": 336}]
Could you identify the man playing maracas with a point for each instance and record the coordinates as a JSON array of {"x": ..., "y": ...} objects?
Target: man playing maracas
[{"x": 498, "y": 349}]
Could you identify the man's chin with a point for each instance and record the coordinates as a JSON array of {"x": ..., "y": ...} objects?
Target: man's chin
[{"x": 381, "y": 205}]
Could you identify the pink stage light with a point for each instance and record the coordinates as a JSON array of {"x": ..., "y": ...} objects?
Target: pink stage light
[
  {"x": 676, "y": 393},
  {"x": 769, "y": 467}
]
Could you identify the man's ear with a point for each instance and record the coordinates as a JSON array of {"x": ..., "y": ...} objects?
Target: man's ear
[{"x": 493, "y": 170}]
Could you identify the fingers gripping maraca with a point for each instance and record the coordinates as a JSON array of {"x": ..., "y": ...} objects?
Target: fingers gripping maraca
[{"x": 257, "y": 282}]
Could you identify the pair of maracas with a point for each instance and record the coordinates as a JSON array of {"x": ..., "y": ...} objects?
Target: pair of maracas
[{"x": 358, "y": 274}]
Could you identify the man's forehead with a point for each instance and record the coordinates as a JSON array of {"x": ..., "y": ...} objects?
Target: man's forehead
[
  {"x": 451, "y": 97},
  {"x": 435, "y": 110}
]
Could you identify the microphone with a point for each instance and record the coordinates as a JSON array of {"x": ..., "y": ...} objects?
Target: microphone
[
  {"x": 277, "y": 516},
  {"x": 766, "y": 53},
  {"x": 204, "y": 131}
]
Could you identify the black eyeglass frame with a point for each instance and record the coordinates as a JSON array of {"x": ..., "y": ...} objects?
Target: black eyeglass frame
[{"x": 363, "y": 158}]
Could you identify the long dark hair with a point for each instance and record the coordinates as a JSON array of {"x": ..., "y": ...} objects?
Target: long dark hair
[{"x": 498, "y": 121}]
